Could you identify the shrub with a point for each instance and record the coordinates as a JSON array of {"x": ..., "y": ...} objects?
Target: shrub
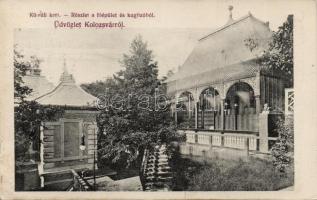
[{"x": 283, "y": 149}]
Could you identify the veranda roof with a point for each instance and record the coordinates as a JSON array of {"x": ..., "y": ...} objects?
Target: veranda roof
[
  {"x": 219, "y": 75},
  {"x": 224, "y": 54},
  {"x": 67, "y": 93}
]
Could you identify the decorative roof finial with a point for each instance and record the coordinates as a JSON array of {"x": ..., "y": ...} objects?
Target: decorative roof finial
[
  {"x": 66, "y": 77},
  {"x": 64, "y": 67}
]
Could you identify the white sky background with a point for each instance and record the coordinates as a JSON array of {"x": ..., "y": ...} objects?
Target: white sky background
[{"x": 94, "y": 54}]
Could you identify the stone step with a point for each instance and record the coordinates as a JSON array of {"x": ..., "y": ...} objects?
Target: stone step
[
  {"x": 58, "y": 181},
  {"x": 157, "y": 172},
  {"x": 55, "y": 176}
]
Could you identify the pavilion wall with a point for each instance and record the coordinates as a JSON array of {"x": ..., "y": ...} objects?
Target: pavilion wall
[
  {"x": 61, "y": 140},
  {"x": 272, "y": 91}
]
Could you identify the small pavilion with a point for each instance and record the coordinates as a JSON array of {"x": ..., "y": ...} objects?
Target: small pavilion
[{"x": 69, "y": 143}]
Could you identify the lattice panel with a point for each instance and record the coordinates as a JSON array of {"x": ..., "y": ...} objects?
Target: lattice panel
[{"x": 289, "y": 101}]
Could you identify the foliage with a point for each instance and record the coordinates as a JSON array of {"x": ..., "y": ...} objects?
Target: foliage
[
  {"x": 278, "y": 58},
  {"x": 99, "y": 87},
  {"x": 283, "y": 149},
  {"x": 20, "y": 69},
  {"x": 27, "y": 114},
  {"x": 184, "y": 124},
  {"x": 134, "y": 122},
  {"x": 225, "y": 175},
  {"x": 27, "y": 120},
  {"x": 280, "y": 53}
]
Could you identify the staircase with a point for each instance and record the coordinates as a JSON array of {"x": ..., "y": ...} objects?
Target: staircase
[{"x": 156, "y": 174}]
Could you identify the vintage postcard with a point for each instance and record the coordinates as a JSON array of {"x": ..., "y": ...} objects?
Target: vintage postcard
[{"x": 158, "y": 99}]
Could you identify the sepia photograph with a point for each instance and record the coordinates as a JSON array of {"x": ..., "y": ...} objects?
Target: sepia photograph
[{"x": 156, "y": 109}]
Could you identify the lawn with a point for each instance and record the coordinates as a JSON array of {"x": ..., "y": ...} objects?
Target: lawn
[{"x": 227, "y": 175}]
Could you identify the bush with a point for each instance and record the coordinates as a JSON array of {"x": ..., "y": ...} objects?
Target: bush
[{"x": 283, "y": 149}]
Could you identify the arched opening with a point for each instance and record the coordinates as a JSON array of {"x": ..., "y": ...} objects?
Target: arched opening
[
  {"x": 185, "y": 108},
  {"x": 240, "y": 107},
  {"x": 209, "y": 109}
]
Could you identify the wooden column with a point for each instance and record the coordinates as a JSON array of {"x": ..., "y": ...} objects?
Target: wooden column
[
  {"x": 202, "y": 117},
  {"x": 189, "y": 108},
  {"x": 258, "y": 92},
  {"x": 223, "y": 119},
  {"x": 196, "y": 115},
  {"x": 62, "y": 140},
  {"x": 176, "y": 113},
  {"x": 257, "y": 104}
]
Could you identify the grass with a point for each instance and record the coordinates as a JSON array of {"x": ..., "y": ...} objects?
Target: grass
[
  {"x": 126, "y": 173},
  {"x": 226, "y": 175}
]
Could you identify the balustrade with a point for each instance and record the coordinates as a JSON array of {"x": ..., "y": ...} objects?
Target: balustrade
[{"x": 234, "y": 140}]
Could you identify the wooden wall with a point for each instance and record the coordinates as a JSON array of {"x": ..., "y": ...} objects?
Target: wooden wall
[
  {"x": 245, "y": 122},
  {"x": 60, "y": 132}
]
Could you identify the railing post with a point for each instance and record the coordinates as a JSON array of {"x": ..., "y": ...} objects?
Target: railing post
[
  {"x": 190, "y": 150},
  {"x": 247, "y": 145},
  {"x": 263, "y": 133},
  {"x": 204, "y": 154}
]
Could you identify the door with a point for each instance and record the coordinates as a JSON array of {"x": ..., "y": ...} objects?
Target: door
[
  {"x": 62, "y": 140},
  {"x": 71, "y": 139}
]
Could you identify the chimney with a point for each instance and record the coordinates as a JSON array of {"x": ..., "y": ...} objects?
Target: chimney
[
  {"x": 267, "y": 24},
  {"x": 230, "y": 20},
  {"x": 34, "y": 69},
  {"x": 230, "y": 8}
]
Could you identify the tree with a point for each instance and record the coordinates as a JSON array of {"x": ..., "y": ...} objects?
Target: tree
[
  {"x": 20, "y": 69},
  {"x": 279, "y": 59},
  {"x": 133, "y": 121},
  {"x": 27, "y": 114},
  {"x": 279, "y": 56},
  {"x": 99, "y": 87}
]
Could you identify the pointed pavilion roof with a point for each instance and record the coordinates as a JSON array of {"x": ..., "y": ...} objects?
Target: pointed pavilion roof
[{"x": 67, "y": 93}]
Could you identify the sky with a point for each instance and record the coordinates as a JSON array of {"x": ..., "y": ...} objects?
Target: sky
[{"x": 94, "y": 54}]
